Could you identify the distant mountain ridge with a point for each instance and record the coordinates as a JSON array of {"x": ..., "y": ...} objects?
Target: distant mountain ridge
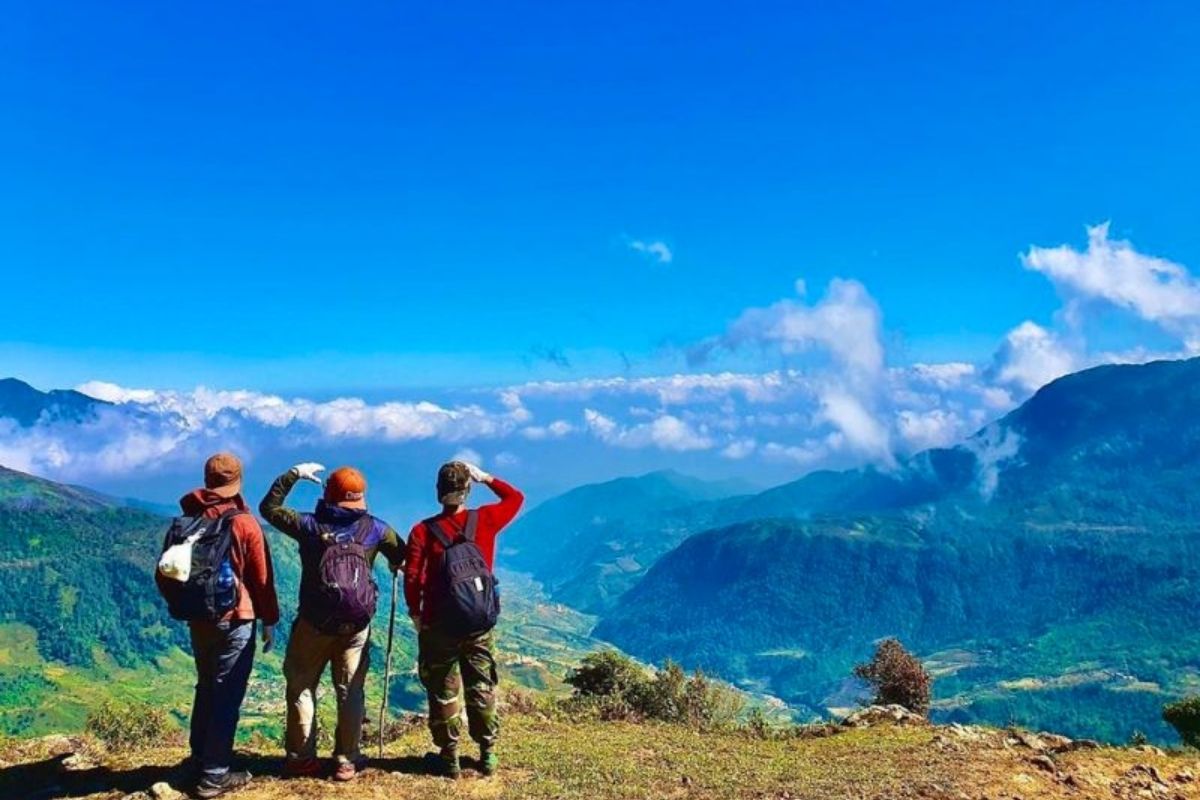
[{"x": 21, "y": 402}]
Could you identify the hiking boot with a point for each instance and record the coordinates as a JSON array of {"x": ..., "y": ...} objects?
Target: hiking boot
[
  {"x": 209, "y": 788},
  {"x": 445, "y": 764},
  {"x": 346, "y": 771},
  {"x": 489, "y": 762},
  {"x": 301, "y": 768}
]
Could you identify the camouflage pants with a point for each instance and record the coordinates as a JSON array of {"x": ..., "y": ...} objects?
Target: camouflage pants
[{"x": 446, "y": 664}]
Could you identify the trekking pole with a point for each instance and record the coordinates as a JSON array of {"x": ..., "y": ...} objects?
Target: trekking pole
[{"x": 387, "y": 662}]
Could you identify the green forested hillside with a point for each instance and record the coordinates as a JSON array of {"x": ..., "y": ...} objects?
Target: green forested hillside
[
  {"x": 73, "y": 566},
  {"x": 592, "y": 543},
  {"x": 1066, "y": 599}
]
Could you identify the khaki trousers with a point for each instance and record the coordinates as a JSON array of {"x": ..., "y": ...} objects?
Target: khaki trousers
[{"x": 349, "y": 658}]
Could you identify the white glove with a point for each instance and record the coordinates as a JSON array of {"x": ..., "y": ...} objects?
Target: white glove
[
  {"x": 308, "y": 471},
  {"x": 477, "y": 475}
]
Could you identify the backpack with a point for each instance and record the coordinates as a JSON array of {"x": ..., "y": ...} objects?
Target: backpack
[
  {"x": 466, "y": 600},
  {"x": 344, "y": 595},
  {"x": 211, "y": 588}
]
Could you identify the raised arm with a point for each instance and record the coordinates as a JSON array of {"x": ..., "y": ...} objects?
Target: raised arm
[
  {"x": 287, "y": 520},
  {"x": 501, "y": 513}
]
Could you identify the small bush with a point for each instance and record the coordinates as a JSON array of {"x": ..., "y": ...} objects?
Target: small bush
[
  {"x": 1184, "y": 717},
  {"x": 523, "y": 702},
  {"x": 124, "y": 726},
  {"x": 606, "y": 674},
  {"x": 757, "y": 725},
  {"x": 897, "y": 677},
  {"x": 614, "y": 687}
]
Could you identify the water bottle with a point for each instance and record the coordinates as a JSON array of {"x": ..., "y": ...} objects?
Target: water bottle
[{"x": 226, "y": 591}]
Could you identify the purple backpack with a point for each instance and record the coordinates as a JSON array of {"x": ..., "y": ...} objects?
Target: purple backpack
[{"x": 345, "y": 594}]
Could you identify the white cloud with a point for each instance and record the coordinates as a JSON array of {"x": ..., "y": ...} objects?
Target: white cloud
[
  {"x": 655, "y": 250},
  {"x": 863, "y": 432},
  {"x": 469, "y": 456},
  {"x": 993, "y": 447},
  {"x": 951, "y": 375},
  {"x": 845, "y": 324},
  {"x": 1111, "y": 271},
  {"x": 937, "y": 427},
  {"x": 555, "y": 430},
  {"x": 665, "y": 432},
  {"x": 1031, "y": 357},
  {"x": 341, "y": 418},
  {"x": 805, "y": 456},
  {"x": 678, "y": 389},
  {"x": 739, "y": 449}
]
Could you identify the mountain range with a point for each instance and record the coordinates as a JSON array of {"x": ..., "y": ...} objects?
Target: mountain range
[{"x": 1044, "y": 568}]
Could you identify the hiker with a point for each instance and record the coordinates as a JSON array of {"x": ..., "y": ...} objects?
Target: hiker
[
  {"x": 451, "y": 595},
  {"x": 222, "y": 549},
  {"x": 338, "y": 545}
]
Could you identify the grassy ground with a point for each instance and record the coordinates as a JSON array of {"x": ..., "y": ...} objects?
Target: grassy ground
[{"x": 605, "y": 761}]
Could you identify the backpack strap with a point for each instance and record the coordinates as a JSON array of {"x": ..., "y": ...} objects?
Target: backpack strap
[
  {"x": 361, "y": 530},
  {"x": 468, "y": 533},
  {"x": 226, "y": 517},
  {"x": 438, "y": 533}
]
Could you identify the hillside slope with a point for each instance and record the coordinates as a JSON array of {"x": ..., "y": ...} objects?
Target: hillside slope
[
  {"x": 1065, "y": 600},
  {"x": 589, "y": 545},
  {"x": 605, "y": 761}
]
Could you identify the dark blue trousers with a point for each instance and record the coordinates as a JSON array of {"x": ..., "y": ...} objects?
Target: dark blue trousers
[{"x": 224, "y": 654}]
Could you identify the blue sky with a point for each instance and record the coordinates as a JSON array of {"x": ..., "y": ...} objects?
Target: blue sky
[{"x": 399, "y": 199}]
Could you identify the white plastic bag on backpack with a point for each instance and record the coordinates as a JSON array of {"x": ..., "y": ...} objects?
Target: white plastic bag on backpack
[{"x": 176, "y": 561}]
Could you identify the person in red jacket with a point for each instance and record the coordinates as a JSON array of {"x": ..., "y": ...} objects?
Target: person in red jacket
[
  {"x": 447, "y": 662},
  {"x": 224, "y": 650}
]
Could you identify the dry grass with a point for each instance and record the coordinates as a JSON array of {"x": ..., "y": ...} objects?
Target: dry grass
[{"x": 606, "y": 761}]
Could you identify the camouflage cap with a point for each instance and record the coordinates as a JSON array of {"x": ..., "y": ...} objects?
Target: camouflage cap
[{"x": 453, "y": 483}]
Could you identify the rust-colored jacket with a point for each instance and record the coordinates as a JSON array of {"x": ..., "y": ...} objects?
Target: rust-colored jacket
[{"x": 249, "y": 556}]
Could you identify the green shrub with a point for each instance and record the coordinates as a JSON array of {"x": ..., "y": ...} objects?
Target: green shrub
[
  {"x": 1184, "y": 717},
  {"x": 897, "y": 677},
  {"x": 124, "y": 726},
  {"x": 757, "y": 725},
  {"x": 614, "y": 687},
  {"x": 607, "y": 674}
]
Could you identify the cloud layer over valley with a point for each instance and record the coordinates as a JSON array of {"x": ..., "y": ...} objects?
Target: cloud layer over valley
[{"x": 827, "y": 393}]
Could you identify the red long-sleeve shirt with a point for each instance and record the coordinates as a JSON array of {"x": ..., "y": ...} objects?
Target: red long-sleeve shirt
[
  {"x": 425, "y": 551},
  {"x": 249, "y": 556}
]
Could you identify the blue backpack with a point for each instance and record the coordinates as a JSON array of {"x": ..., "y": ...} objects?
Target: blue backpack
[{"x": 466, "y": 600}]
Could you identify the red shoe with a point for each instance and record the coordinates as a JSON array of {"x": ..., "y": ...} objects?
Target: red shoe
[
  {"x": 346, "y": 771},
  {"x": 301, "y": 768}
]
